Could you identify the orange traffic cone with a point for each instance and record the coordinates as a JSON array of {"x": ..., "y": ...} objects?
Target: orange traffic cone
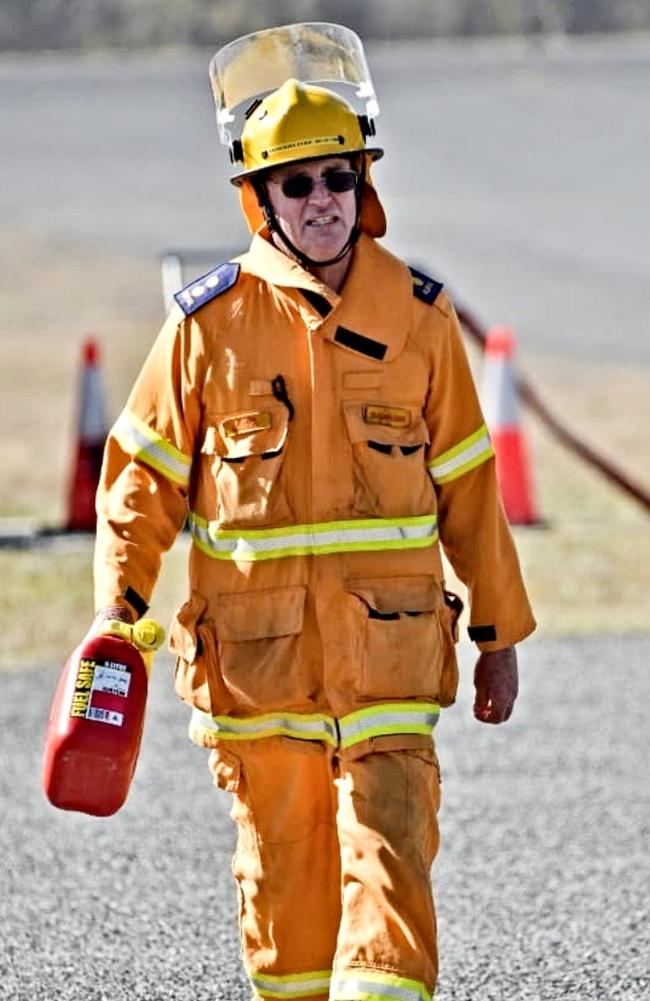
[
  {"x": 500, "y": 406},
  {"x": 91, "y": 437}
]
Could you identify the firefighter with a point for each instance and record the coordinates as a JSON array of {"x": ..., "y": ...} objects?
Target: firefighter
[{"x": 309, "y": 409}]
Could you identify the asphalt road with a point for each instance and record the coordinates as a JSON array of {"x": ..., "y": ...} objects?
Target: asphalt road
[
  {"x": 543, "y": 881},
  {"x": 516, "y": 174}
]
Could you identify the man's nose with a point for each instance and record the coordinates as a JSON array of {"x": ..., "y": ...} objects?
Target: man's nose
[{"x": 320, "y": 192}]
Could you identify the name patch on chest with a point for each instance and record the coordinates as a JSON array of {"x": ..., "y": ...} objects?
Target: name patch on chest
[
  {"x": 390, "y": 417},
  {"x": 236, "y": 427}
]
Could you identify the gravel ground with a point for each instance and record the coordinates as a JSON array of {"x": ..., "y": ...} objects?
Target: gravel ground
[{"x": 542, "y": 883}]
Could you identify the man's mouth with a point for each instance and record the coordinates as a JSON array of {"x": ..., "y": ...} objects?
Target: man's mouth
[{"x": 322, "y": 220}]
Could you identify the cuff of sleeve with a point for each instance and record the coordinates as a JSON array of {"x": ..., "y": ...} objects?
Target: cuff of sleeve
[
  {"x": 493, "y": 638},
  {"x": 128, "y": 600}
]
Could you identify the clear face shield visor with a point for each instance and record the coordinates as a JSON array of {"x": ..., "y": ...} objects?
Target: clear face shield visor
[{"x": 253, "y": 66}]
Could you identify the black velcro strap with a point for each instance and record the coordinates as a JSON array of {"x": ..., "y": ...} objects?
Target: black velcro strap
[
  {"x": 357, "y": 342},
  {"x": 319, "y": 302},
  {"x": 135, "y": 601},
  {"x": 482, "y": 634},
  {"x": 410, "y": 449}
]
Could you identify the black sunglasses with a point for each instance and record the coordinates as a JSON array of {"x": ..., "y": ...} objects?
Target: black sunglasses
[{"x": 302, "y": 185}]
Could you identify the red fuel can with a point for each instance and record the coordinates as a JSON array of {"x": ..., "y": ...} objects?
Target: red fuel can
[{"x": 97, "y": 718}]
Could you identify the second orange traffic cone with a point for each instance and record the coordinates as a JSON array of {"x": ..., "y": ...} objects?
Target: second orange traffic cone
[
  {"x": 91, "y": 437},
  {"x": 501, "y": 409}
]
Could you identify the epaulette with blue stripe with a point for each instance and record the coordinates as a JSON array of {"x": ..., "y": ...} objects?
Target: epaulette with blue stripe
[
  {"x": 208, "y": 287},
  {"x": 424, "y": 287}
]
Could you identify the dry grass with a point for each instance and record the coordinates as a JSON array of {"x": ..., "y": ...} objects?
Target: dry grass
[
  {"x": 588, "y": 570},
  {"x": 52, "y": 298},
  {"x": 48, "y": 607},
  {"x": 591, "y": 570}
]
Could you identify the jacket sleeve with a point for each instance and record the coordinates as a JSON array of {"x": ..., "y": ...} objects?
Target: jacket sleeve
[
  {"x": 473, "y": 528},
  {"x": 142, "y": 494}
]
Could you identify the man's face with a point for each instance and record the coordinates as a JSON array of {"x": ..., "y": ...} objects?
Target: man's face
[{"x": 319, "y": 223}]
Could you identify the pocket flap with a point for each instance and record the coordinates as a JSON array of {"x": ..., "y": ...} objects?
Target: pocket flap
[
  {"x": 255, "y": 615},
  {"x": 386, "y": 424},
  {"x": 247, "y": 432},
  {"x": 182, "y": 634},
  {"x": 399, "y": 594}
]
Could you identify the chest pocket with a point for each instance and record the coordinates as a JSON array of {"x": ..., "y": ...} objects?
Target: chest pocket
[
  {"x": 247, "y": 451},
  {"x": 389, "y": 468}
]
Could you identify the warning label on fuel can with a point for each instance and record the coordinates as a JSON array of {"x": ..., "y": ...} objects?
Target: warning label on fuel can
[
  {"x": 105, "y": 679},
  {"x": 112, "y": 678}
]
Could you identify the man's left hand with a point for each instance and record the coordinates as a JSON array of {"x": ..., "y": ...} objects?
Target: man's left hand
[{"x": 497, "y": 683}]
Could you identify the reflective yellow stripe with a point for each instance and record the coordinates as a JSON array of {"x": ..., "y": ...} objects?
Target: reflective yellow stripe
[
  {"x": 466, "y": 455},
  {"x": 292, "y": 985},
  {"x": 368, "y": 985},
  {"x": 392, "y": 717},
  {"x": 313, "y": 540},
  {"x": 373, "y": 721},
  {"x": 145, "y": 444},
  {"x": 304, "y": 726}
]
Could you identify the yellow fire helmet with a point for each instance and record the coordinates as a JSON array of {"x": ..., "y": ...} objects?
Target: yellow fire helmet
[
  {"x": 299, "y": 122},
  {"x": 297, "y": 92}
]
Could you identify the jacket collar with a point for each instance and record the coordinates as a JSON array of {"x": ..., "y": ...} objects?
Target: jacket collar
[
  {"x": 374, "y": 304},
  {"x": 277, "y": 268}
]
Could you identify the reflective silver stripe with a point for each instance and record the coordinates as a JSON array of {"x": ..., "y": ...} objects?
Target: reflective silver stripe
[
  {"x": 466, "y": 455},
  {"x": 377, "y": 721},
  {"x": 301, "y": 984},
  {"x": 317, "y": 539},
  {"x": 312, "y": 726},
  {"x": 368, "y": 986},
  {"x": 145, "y": 444}
]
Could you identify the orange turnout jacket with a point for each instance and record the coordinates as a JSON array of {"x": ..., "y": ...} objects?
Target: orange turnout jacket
[{"x": 321, "y": 447}]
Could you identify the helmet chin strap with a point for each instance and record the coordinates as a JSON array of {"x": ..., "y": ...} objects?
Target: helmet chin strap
[{"x": 302, "y": 258}]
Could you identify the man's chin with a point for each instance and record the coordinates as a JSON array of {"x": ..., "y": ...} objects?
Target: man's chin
[{"x": 321, "y": 254}]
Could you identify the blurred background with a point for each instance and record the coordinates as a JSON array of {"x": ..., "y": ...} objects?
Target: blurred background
[
  {"x": 517, "y": 138},
  {"x": 70, "y": 24}
]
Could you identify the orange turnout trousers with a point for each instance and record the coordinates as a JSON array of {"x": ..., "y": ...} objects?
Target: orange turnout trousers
[{"x": 333, "y": 866}]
